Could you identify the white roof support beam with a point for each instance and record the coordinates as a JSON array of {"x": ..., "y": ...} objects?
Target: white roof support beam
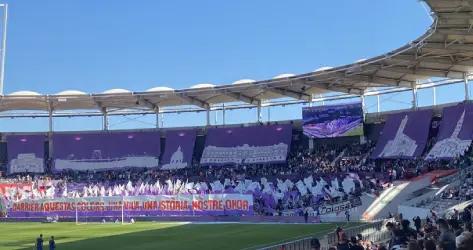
[
  {"x": 194, "y": 101},
  {"x": 290, "y": 93},
  {"x": 411, "y": 59},
  {"x": 422, "y": 71},
  {"x": 103, "y": 109},
  {"x": 242, "y": 97},
  {"x": 145, "y": 102}
]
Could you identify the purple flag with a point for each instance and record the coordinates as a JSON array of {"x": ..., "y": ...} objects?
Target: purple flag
[
  {"x": 404, "y": 135},
  {"x": 239, "y": 145},
  {"x": 333, "y": 120},
  {"x": 25, "y": 153},
  {"x": 106, "y": 150},
  {"x": 455, "y": 132},
  {"x": 179, "y": 149}
]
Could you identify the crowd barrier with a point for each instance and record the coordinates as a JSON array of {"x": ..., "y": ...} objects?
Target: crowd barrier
[{"x": 375, "y": 232}]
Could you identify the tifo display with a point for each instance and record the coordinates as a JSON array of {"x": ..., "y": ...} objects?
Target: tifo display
[{"x": 259, "y": 170}]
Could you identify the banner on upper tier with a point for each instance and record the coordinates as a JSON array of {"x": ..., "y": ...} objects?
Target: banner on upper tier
[
  {"x": 455, "y": 132},
  {"x": 404, "y": 135},
  {"x": 106, "y": 151},
  {"x": 156, "y": 205},
  {"x": 246, "y": 145},
  {"x": 25, "y": 153},
  {"x": 333, "y": 120},
  {"x": 178, "y": 149}
]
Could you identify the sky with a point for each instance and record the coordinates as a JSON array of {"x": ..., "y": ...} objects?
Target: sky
[{"x": 93, "y": 46}]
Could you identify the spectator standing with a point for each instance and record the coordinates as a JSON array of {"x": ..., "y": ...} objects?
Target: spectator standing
[
  {"x": 466, "y": 216},
  {"x": 355, "y": 244},
  {"x": 343, "y": 243},
  {"x": 306, "y": 215},
  {"x": 315, "y": 244},
  {"x": 39, "y": 242},
  {"x": 417, "y": 223},
  {"x": 447, "y": 240},
  {"x": 52, "y": 244}
]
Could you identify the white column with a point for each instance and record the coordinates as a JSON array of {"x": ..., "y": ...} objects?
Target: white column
[
  {"x": 50, "y": 129},
  {"x": 162, "y": 120},
  {"x": 434, "y": 95},
  {"x": 414, "y": 95},
  {"x": 378, "y": 103},
  {"x": 4, "y": 45},
  {"x": 105, "y": 120},
  {"x": 269, "y": 113},
  {"x": 363, "y": 105},
  {"x": 50, "y": 120},
  {"x": 258, "y": 112},
  {"x": 223, "y": 113},
  {"x": 207, "y": 113},
  {"x": 467, "y": 91},
  {"x": 156, "y": 112},
  {"x": 216, "y": 116}
]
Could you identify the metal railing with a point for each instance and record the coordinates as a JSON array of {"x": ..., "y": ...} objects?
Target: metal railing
[{"x": 375, "y": 232}]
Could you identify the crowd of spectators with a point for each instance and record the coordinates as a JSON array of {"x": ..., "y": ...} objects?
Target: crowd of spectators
[
  {"x": 329, "y": 164},
  {"x": 430, "y": 233},
  {"x": 463, "y": 191}
]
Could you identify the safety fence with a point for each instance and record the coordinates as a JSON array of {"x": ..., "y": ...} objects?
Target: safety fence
[{"x": 375, "y": 232}]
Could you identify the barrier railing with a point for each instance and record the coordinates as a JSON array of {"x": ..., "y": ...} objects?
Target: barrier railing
[{"x": 375, "y": 232}]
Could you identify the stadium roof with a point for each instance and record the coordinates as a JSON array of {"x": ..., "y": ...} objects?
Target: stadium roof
[{"x": 445, "y": 50}]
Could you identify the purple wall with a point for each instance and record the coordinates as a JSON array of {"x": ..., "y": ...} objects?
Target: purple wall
[
  {"x": 455, "y": 132},
  {"x": 405, "y": 135},
  {"x": 256, "y": 144},
  {"x": 179, "y": 149},
  {"x": 120, "y": 149},
  {"x": 450, "y": 117},
  {"x": 253, "y": 136},
  {"x": 25, "y": 153}
]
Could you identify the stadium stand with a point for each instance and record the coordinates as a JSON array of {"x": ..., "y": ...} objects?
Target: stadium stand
[{"x": 410, "y": 175}]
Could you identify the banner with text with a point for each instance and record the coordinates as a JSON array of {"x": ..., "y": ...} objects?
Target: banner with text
[
  {"x": 404, "y": 135},
  {"x": 247, "y": 145},
  {"x": 455, "y": 132},
  {"x": 178, "y": 149},
  {"x": 158, "y": 205},
  {"x": 106, "y": 151},
  {"x": 25, "y": 153}
]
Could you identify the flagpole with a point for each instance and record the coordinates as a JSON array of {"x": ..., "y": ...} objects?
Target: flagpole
[{"x": 4, "y": 45}]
